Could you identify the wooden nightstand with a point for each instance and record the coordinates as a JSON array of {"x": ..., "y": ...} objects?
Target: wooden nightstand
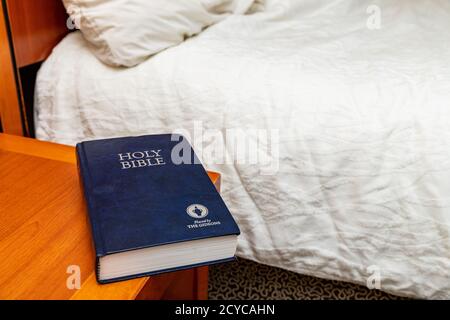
[{"x": 44, "y": 229}]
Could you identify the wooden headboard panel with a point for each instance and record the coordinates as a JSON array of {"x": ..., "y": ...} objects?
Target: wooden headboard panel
[
  {"x": 36, "y": 27},
  {"x": 29, "y": 30}
]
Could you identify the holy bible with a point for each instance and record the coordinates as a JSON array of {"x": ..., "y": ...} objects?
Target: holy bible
[{"x": 152, "y": 207}]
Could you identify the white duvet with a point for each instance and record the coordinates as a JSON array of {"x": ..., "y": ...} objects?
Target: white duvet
[{"x": 362, "y": 191}]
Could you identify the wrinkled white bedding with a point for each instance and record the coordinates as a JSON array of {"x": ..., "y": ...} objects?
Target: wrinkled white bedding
[{"x": 364, "y": 120}]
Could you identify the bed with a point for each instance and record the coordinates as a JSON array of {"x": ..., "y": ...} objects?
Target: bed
[{"x": 358, "y": 120}]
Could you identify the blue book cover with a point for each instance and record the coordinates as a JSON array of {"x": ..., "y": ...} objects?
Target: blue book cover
[{"x": 148, "y": 191}]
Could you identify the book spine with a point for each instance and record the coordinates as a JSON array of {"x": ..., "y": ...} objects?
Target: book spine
[{"x": 86, "y": 182}]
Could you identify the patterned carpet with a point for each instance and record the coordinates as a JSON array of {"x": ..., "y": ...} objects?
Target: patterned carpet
[{"x": 244, "y": 279}]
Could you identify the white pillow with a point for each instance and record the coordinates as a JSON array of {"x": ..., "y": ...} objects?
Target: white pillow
[{"x": 126, "y": 32}]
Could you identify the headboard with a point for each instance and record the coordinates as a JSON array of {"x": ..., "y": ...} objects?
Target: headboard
[
  {"x": 33, "y": 29},
  {"x": 36, "y": 26}
]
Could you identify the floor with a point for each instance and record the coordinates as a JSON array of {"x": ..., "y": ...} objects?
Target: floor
[{"x": 244, "y": 279}]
